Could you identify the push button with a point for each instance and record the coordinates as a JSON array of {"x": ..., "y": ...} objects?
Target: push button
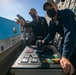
[
  {"x": 27, "y": 56},
  {"x": 35, "y": 55},
  {"x": 24, "y": 60},
  {"x": 34, "y": 60},
  {"x": 29, "y": 51}
]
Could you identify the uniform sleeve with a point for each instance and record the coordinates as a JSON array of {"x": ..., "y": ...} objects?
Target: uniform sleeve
[
  {"x": 68, "y": 45},
  {"x": 46, "y": 25},
  {"x": 51, "y": 33},
  {"x": 30, "y": 24}
]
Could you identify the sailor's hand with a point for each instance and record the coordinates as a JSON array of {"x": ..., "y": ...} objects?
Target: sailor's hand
[
  {"x": 39, "y": 43},
  {"x": 67, "y": 66},
  {"x": 43, "y": 41},
  {"x": 21, "y": 22}
]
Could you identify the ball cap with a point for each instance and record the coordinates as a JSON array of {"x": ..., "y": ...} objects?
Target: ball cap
[
  {"x": 32, "y": 10},
  {"x": 48, "y": 2}
]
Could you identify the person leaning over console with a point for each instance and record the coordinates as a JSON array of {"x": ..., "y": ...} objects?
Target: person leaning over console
[
  {"x": 63, "y": 22},
  {"x": 38, "y": 25}
]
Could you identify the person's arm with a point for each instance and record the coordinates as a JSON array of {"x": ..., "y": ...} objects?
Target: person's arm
[
  {"x": 24, "y": 23},
  {"x": 30, "y": 24},
  {"x": 51, "y": 33},
  {"x": 68, "y": 45},
  {"x": 46, "y": 25}
]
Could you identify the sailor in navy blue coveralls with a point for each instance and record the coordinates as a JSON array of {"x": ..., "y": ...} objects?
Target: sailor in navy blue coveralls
[
  {"x": 63, "y": 22},
  {"x": 40, "y": 28},
  {"x": 38, "y": 24}
]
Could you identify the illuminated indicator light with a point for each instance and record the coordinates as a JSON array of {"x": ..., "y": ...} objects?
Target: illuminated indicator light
[
  {"x": 57, "y": 60},
  {"x": 48, "y": 61},
  {"x": 55, "y": 56}
]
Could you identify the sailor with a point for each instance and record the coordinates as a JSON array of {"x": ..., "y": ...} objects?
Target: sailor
[
  {"x": 38, "y": 24},
  {"x": 63, "y": 22}
]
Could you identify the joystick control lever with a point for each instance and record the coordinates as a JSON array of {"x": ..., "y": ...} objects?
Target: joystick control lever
[{"x": 39, "y": 46}]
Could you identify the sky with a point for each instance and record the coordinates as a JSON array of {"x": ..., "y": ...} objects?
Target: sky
[{"x": 10, "y": 8}]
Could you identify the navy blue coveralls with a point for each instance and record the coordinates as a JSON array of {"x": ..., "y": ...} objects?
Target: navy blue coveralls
[
  {"x": 66, "y": 27},
  {"x": 40, "y": 28}
]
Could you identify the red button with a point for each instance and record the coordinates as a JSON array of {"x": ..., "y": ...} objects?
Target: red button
[{"x": 29, "y": 51}]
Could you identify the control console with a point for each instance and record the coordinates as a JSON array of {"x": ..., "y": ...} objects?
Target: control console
[{"x": 43, "y": 59}]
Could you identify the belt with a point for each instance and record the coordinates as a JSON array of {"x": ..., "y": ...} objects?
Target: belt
[{"x": 39, "y": 36}]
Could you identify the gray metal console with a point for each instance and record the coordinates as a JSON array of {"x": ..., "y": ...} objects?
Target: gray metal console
[{"x": 30, "y": 62}]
